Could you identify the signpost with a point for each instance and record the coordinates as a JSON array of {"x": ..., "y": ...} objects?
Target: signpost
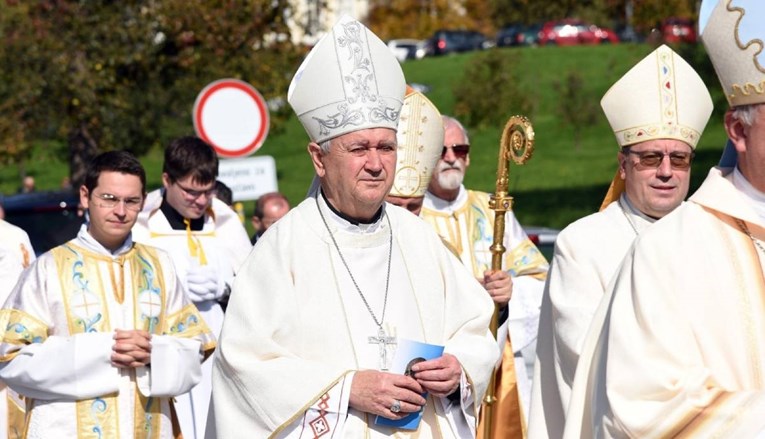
[
  {"x": 232, "y": 117},
  {"x": 249, "y": 178}
]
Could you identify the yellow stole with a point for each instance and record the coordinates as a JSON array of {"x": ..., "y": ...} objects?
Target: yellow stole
[{"x": 86, "y": 305}]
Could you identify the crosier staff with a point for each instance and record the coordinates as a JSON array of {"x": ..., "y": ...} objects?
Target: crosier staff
[{"x": 516, "y": 144}]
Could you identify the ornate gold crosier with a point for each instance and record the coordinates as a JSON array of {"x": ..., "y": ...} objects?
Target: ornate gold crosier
[{"x": 516, "y": 144}]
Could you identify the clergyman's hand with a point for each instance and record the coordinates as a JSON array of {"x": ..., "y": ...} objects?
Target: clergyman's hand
[
  {"x": 440, "y": 376},
  {"x": 132, "y": 348},
  {"x": 499, "y": 285},
  {"x": 375, "y": 392}
]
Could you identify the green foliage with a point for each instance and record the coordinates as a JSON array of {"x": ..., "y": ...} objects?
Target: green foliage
[
  {"x": 490, "y": 90},
  {"x": 557, "y": 186},
  {"x": 107, "y": 75},
  {"x": 576, "y": 107}
]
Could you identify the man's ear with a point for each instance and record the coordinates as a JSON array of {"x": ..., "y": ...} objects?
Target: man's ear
[
  {"x": 317, "y": 158},
  {"x": 166, "y": 180},
  {"x": 84, "y": 196},
  {"x": 736, "y": 131},
  {"x": 622, "y": 159}
]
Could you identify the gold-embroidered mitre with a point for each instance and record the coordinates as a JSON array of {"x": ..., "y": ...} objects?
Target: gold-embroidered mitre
[
  {"x": 661, "y": 97},
  {"x": 732, "y": 32},
  {"x": 420, "y": 141},
  {"x": 348, "y": 82}
]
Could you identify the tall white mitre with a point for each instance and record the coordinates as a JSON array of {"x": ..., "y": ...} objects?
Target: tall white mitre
[
  {"x": 420, "y": 139},
  {"x": 349, "y": 81},
  {"x": 733, "y": 34},
  {"x": 661, "y": 97}
]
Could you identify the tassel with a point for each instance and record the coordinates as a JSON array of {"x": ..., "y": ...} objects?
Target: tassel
[{"x": 195, "y": 247}]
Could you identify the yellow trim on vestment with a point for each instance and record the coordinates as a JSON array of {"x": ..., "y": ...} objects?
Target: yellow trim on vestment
[
  {"x": 16, "y": 415},
  {"x": 86, "y": 307},
  {"x": 20, "y": 328},
  {"x": 188, "y": 323}
]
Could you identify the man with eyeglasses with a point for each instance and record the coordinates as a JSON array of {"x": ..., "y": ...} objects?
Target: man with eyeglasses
[
  {"x": 658, "y": 111},
  {"x": 207, "y": 241},
  {"x": 463, "y": 219},
  {"x": 98, "y": 335},
  {"x": 682, "y": 351}
]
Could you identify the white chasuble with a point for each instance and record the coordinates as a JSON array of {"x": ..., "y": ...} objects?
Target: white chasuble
[
  {"x": 222, "y": 243},
  {"x": 587, "y": 255},
  {"x": 297, "y": 328},
  {"x": 682, "y": 348},
  {"x": 58, "y": 328}
]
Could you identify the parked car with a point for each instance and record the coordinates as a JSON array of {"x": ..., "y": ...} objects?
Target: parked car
[
  {"x": 529, "y": 35},
  {"x": 404, "y": 49},
  {"x": 452, "y": 41},
  {"x": 508, "y": 35},
  {"x": 678, "y": 30},
  {"x": 569, "y": 32},
  {"x": 49, "y": 218}
]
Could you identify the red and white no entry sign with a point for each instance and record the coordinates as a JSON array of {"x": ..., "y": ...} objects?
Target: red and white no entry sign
[{"x": 232, "y": 117}]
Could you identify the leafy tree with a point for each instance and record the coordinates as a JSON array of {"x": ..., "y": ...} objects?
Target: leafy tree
[
  {"x": 124, "y": 75},
  {"x": 490, "y": 90},
  {"x": 576, "y": 109}
]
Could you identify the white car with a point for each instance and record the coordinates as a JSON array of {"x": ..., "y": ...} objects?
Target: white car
[{"x": 404, "y": 49}]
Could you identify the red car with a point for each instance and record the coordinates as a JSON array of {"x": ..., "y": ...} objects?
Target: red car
[
  {"x": 571, "y": 32},
  {"x": 678, "y": 30}
]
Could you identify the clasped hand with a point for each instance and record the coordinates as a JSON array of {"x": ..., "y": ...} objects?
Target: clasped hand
[
  {"x": 375, "y": 392},
  {"x": 132, "y": 348},
  {"x": 499, "y": 285},
  {"x": 203, "y": 283}
]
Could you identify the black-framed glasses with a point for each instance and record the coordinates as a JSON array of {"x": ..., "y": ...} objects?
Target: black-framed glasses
[
  {"x": 193, "y": 194},
  {"x": 109, "y": 201},
  {"x": 459, "y": 150},
  {"x": 653, "y": 159}
]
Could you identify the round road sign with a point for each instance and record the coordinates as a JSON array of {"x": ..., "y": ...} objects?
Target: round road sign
[{"x": 232, "y": 117}]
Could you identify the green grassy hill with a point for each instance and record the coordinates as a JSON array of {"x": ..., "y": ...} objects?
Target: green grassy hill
[{"x": 561, "y": 183}]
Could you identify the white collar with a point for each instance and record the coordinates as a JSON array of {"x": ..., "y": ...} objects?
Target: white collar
[
  {"x": 755, "y": 197},
  {"x": 89, "y": 242},
  {"x": 344, "y": 224}
]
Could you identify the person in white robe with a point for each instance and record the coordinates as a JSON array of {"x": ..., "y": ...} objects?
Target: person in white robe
[
  {"x": 651, "y": 181},
  {"x": 681, "y": 351},
  {"x": 330, "y": 290},
  {"x": 16, "y": 254},
  {"x": 207, "y": 242},
  {"x": 16, "y": 240},
  {"x": 463, "y": 218},
  {"x": 98, "y": 335}
]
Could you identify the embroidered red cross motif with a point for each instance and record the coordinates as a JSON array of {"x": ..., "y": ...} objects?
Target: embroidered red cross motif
[{"x": 319, "y": 425}]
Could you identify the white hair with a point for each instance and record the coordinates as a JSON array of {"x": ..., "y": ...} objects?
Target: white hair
[
  {"x": 448, "y": 120},
  {"x": 324, "y": 146},
  {"x": 746, "y": 114}
]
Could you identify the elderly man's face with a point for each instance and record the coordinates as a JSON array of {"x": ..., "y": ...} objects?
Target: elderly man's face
[
  {"x": 357, "y": 172},
  {"x": 656, "y": 190},
  {"x": 450, "y": 168}
]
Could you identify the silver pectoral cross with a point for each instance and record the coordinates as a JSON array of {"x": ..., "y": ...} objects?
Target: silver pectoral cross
[{"x": 382, "y": 341}]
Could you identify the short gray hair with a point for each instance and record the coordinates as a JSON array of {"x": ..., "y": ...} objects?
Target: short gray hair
[
  {"x": 746, "y": 114},
  {"x": 324, "y": 146},
  {"x": 448, "y": 120}
]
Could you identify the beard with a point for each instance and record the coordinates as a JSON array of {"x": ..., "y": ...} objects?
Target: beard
[{"x": 448, "y": 179}]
